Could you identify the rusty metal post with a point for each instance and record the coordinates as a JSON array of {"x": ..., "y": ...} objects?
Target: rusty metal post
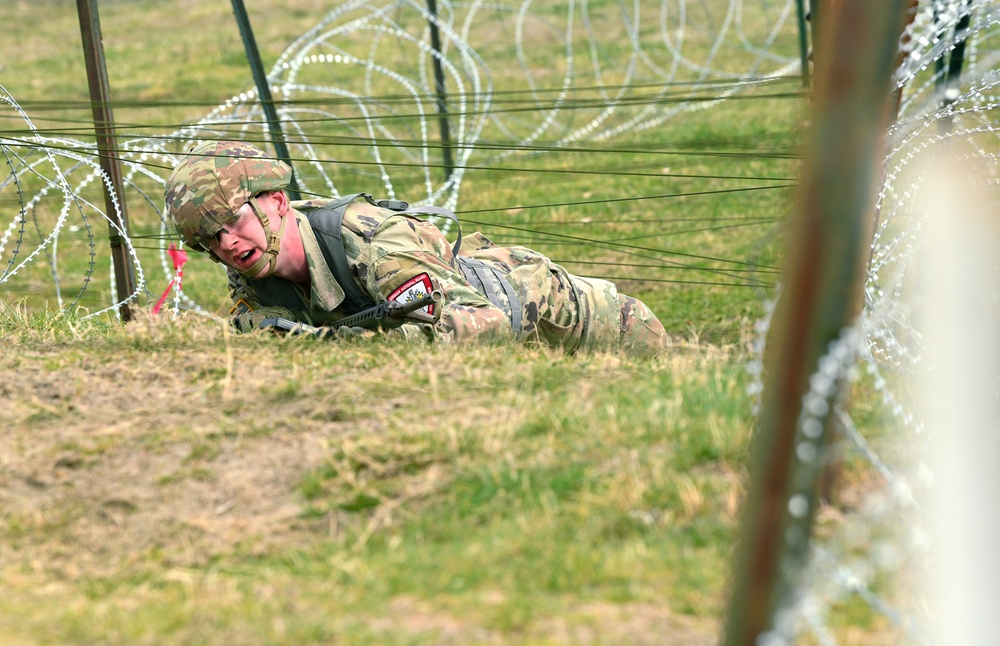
[
  {"x": 824, "y": 278},
  {"x": 830, "y": 484},
  {"x": 814, "y": 21},
  {"x": 107, "y": 150}
]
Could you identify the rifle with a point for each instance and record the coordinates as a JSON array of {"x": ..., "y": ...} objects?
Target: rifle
[{"x": 383, "y": 315}]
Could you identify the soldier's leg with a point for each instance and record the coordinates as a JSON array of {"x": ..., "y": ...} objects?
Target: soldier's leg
[{"x": 642, "y": 332}]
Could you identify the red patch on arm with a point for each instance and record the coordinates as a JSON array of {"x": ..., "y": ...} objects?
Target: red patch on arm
[{"x": 413, "y": 289}]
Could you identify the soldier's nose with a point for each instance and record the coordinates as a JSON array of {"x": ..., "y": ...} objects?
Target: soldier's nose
[{"x": 227, "y": 241}]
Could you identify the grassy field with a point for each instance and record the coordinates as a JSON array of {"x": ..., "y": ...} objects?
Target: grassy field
[
  {"x": 167, "y": 482},
  {"x": 663, "y": 211},
  {"x": 171, "y": 483}
]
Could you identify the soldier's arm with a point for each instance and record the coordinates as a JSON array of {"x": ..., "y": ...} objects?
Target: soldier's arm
[{"x": 407, "y": 251}]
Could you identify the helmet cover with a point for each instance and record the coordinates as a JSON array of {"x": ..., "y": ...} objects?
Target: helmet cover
[{"x": 207, "y": 188}]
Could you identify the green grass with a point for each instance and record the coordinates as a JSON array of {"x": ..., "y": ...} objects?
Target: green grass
[
  {"x": 444, "y": 476},
  {"x": 169, "y": 482},
  {"x": 601, "y": 212}
]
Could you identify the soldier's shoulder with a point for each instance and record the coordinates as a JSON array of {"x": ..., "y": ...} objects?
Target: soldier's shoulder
[{"x": 311, "y": 204}]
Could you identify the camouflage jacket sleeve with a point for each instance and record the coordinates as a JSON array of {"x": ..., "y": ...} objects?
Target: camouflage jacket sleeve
[{"x": 395, "y": 252}]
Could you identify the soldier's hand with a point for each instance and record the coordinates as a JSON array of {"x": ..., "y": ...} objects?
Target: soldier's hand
[{"x": 251, "y": 320}]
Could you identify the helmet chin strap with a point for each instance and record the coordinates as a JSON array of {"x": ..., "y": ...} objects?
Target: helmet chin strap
[{"x": 270, "y": 255}]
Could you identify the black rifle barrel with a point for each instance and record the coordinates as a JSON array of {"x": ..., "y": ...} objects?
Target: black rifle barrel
[{"x": 388, "y": 309}]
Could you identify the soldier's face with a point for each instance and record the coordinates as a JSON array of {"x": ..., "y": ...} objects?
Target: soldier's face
[{"x": 242, "y": 243}]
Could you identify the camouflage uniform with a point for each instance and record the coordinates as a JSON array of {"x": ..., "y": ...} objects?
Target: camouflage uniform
[
  {"x": 387, "y": 251},
  {"x": 519, "y": 294}
]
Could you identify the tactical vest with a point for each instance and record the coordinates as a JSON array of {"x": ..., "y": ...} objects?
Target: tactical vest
[{"x": 327, "y": 224}]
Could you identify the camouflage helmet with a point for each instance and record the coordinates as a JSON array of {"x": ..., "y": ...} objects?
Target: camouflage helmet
[{"x": 207, "y": 188}]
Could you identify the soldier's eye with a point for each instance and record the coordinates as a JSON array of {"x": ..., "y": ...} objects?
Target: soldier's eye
[{"x": 217, "y": 238}]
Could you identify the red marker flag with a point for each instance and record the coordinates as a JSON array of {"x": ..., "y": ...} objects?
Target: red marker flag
[{"x": 179, "y": 256}]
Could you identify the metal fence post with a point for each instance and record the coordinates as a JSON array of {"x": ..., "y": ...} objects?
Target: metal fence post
[
  {"x": 264, "y": 91},
  {"x": 442, "y": 95},
  {"x": 107, "y": 151},
  {"x": 803, "y": 42},
  {"x": 825, "y": 269}
]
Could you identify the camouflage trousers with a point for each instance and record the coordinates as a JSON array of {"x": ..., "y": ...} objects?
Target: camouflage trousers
[
  {"x": 573, "y": 312},
  {"x": 611, "y": 321}
]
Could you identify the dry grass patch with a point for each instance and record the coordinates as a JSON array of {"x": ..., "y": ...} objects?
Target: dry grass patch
[{"x": 169, "y": 464}]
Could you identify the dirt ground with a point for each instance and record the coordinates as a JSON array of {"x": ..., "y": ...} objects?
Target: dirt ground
[
  {"x": 177, "y": 457},
  {"x": 115, "y": 460}
]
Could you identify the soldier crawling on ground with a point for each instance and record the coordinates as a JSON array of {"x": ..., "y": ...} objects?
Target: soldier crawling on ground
[{"x": 332, "y": 258}]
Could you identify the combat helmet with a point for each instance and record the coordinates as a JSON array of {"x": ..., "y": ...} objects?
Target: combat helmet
[{"x": 209, "y": 186}]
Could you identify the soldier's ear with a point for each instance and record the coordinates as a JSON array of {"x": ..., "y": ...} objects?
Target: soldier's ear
[{"x": 281, "y": 202}]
